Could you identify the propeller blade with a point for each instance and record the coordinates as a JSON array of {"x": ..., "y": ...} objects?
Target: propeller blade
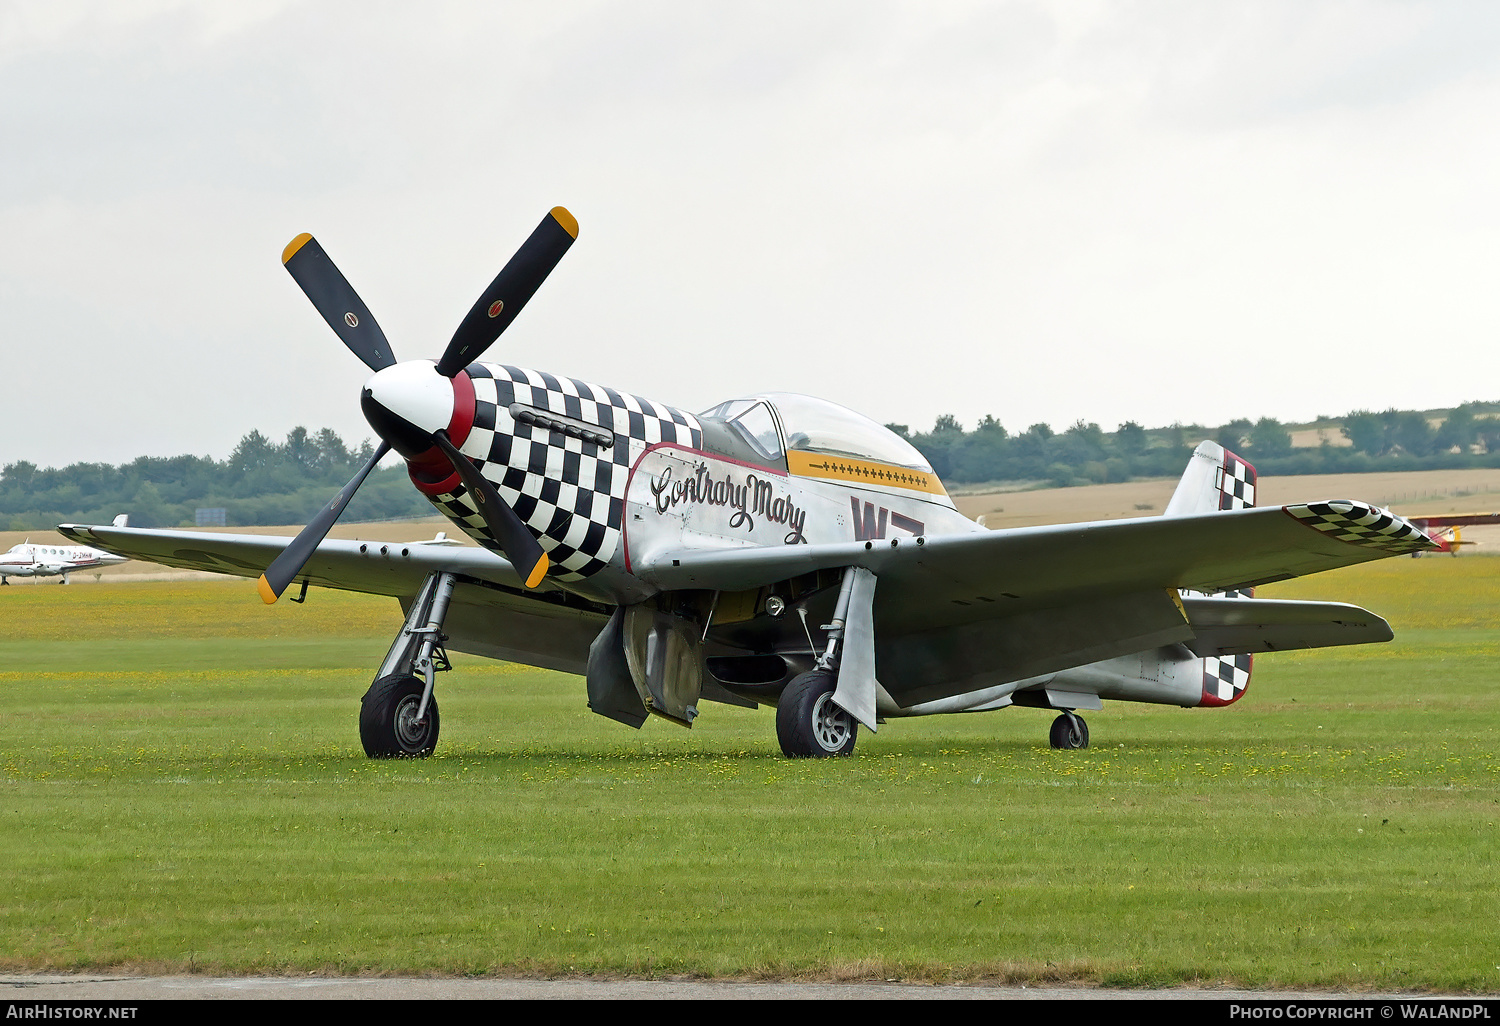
[
  {"x": 523, "y": 550},
  {"x": 337, "y": 301},
  {"x": 285, "y": 567},
  {"x": 517, "y": 281}
]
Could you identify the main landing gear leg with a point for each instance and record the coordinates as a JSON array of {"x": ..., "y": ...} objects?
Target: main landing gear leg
[
  {"x": 399, "y": 715},
  {"x": 808, "y": 721}
]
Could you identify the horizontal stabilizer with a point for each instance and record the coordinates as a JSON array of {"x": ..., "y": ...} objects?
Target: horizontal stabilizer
[{"x": 1233, "y": 626}]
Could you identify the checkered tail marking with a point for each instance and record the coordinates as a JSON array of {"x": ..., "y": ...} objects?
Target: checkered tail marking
[
  {"x": 569, "y": 491},
  {"x": 1225, "y": 678},
  {"x": 1236, "y": 483}
]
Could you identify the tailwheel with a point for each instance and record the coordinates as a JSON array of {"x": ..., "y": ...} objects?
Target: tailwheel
[
  {"x": 808, "y": 723},
  {"x": 1069, "y": 731},
  {"x": 388, "y": 724}
]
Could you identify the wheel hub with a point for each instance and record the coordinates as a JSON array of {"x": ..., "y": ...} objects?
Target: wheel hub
[
  {"x": 832, "y": 725},
  {"x": 410, "y": 731}
]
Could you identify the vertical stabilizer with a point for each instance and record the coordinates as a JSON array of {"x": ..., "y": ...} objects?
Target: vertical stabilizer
[{"x": 1216, "y": 479}]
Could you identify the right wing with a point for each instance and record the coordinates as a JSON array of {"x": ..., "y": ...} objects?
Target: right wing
[
  {"x": 378, "y": 568},
  {"x": 491, "y": 614}
]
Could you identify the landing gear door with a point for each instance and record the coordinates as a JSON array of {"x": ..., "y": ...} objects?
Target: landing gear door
[
  {"x": 611, "y": 687},
  {"x": 665, "y": 656},
  {"x": 856, "y": 683}
]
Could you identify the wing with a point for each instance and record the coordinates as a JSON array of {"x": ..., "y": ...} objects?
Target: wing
[
  {"x": 1035, "y": 567},
  {"x": 373, "y": 567},
  {"x": 957, "y": 613},
  {"x": 491, "y": 613}
]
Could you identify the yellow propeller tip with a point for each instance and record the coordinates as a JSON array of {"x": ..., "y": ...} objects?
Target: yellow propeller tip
[
  {"x": 266, "y": 593},
  {"x": 294, "y": 245},
  {"x": 538, "y": 572},
  {"x": 568, "y": 221}
]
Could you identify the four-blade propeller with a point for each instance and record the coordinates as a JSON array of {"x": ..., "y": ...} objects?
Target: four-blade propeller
[{"x": 352, "y": 321}]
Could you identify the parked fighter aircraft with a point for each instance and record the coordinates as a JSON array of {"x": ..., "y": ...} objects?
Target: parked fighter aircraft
[
  {"x": 38, "y": 560},
  {"x": 774, "y": 550}
]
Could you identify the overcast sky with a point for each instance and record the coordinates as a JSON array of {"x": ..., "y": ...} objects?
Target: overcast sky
[{"x": 1045, "y": 211}]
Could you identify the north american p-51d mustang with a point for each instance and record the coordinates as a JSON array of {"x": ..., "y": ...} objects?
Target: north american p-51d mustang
[{"x": 774, "y": 550}]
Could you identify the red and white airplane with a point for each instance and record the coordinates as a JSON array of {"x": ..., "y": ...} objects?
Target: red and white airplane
[
  {"x": 1446, "y": 529},
  {"x": 30, "y": 559},
  {"x": 774, "y": 550}
]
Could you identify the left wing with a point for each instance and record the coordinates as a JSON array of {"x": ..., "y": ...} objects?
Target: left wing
[
  {"x": 1040, "y": 567},
  {"x": 957, "y": 613}
]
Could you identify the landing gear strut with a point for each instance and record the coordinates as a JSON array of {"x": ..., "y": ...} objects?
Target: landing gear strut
[
  {"x": 399, "y": 716},
  {"x": 809, "y": 723},
  {"x": 1069, "y": 731}
]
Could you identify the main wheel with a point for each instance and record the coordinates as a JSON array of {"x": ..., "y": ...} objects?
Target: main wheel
[
  {"x": 388, "y": 725},
  {"x": 808, "y": 723},
  {"x": 1069, "y": 731}
]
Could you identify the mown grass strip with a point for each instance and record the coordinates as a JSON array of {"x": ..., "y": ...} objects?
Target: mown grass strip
[{"x": 214, "y": 812}]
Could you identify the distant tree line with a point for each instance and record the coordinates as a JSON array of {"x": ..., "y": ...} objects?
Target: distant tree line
[
  {"x": 1086, "y": 454},
  {"x": 262, "y": 482}
]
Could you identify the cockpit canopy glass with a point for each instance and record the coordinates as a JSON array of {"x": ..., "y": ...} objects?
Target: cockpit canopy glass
[
  {"x": 753, "y": 422},
  {"x": 816, "y": 425}
]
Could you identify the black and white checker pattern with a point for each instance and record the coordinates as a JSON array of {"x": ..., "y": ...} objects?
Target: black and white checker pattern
[
  {"x": 1236, "y": 483},
  {"x": 569, "y": 491},
  {"x": 1361, "y": 524},
  {"x": 1225, "y": 678}
]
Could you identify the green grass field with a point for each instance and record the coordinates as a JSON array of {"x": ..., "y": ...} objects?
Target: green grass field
[{"x": 184, "y": 790}]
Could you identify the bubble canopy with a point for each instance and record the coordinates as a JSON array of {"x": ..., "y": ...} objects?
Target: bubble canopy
[{"x": 810, "y": 424}]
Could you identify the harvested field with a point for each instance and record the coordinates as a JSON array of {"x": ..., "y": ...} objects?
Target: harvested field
[{"x": 1413, "y": 492}]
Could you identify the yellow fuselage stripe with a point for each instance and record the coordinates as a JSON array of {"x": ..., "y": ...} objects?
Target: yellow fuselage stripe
[{"x": 867, "y": 472}]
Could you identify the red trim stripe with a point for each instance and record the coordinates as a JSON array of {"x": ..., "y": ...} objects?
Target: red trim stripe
[{"x": 431, "y": 472}]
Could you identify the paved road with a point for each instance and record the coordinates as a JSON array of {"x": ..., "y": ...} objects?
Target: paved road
[{"x": 20, "y": 988}]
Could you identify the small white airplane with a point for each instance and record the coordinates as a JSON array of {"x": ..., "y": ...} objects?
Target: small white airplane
[
  {"x": 774, "y": 550},
  {"x": 35, "y": 560}
]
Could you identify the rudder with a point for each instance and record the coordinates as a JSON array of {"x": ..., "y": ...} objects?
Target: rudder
[{"x": 1215, "y": 480}]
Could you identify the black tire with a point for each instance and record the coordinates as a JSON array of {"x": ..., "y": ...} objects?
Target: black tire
[
  {"x": 1069, "y": 731},
  {"x": 387, "y": 726},
  {"x": 808, "y": 723}
]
